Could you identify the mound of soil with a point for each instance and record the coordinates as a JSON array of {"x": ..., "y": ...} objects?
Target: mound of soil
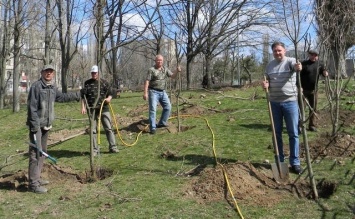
[
  {"x": 55, "y": 174},
  {"x": 249, "y": 185}
]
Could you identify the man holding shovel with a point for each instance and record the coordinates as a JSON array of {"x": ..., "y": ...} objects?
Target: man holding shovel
[
  {"x": 281, "y": 83},
  {"x": 40, "y": 115}
]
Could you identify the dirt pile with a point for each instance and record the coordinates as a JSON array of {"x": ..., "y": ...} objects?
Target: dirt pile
[{"x": 249, "y": 184}]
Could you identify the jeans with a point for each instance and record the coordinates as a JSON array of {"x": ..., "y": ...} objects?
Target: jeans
[
  {"x": 162, "y": 97},
  {"x": 35, "y": 163},
  {"x": 287, "y": 111},
  {"x": 106, "y": 124}
]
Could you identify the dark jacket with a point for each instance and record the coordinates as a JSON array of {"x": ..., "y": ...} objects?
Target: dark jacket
[
  {"x": 310, "y": 74},
  {"x": 40, "y": 104},
  {"x": 90, "y": 90}
]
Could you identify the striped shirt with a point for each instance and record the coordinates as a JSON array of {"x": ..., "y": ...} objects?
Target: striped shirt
[{"x": 282, "y": 80}]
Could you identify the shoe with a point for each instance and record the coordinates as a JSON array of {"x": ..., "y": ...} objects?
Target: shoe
[
  {"x": 95, "y": 153},
  {"x": 297, "y": 169},
  {"x": 162, "y": 126},
  {"x": 114, "y": 150},
  {"x": 38, "y": 189},
  {"x": 312, "y": 129},
  {"x": 152, "y": 132},
  {"x": 43, "y": 182}
]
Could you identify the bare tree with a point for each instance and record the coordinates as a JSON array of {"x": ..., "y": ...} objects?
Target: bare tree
[
  {"x": 4, "y": 52},
  {"x": 69, "y": 38},
  {"x": 335, "y": 21},
  {"x": 19, "y": 18},
  {"x": 120, "y": 30},
  {"x": 185, "y": 15}
]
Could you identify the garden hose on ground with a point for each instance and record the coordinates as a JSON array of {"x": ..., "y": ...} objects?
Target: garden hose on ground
[
  {"x": 175, "y": 117},
  {"x": 215, "y": 157}
]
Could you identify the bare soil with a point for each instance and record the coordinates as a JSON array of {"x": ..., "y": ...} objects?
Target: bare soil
[{"x": 252, "y": 183}]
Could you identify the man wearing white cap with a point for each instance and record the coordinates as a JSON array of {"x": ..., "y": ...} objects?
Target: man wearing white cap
[
  {"x": 40, "y": 115},
  {"x": 89, "y": 93}
]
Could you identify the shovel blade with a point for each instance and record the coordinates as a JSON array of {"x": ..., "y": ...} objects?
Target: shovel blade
[{"x": 283, "y": 174}]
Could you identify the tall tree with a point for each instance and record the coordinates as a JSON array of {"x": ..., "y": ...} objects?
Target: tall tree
[
  {"x": 4, "y": 52},
  {"x": 120, "y": 30},
  {"x": 69, "y": 38},
  {"x": 18, "y": 14},
  {"x": 185, "y": 15}
]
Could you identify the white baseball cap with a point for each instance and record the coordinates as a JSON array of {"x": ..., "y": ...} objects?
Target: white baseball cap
[{"x": 95, "y": 68}]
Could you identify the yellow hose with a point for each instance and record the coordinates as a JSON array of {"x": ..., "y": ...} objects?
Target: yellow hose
[
  {"x": 182, "y": 116},
  {"x": 215, "y": 157}
]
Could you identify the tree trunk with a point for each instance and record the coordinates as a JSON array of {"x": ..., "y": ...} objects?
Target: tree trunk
[
  {"x": 47, "y": 37},
  {"x": 340, "y": 70},
  {"x": 208, "y": 59},
  {"x": 4, "y": 54},
  {"x": 17, "y": 50}
]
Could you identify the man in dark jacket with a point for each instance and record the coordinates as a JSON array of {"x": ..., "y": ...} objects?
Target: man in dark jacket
[
  {"x": 40, "y": 115},
  {"x": 311, "y": 69},
  {"x": 89, "y": 93}
]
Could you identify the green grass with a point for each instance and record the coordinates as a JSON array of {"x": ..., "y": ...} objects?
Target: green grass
[{"x": 145, "y": 185}]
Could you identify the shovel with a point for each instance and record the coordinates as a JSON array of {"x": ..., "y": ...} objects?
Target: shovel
[{"x": 279, "y": 169}]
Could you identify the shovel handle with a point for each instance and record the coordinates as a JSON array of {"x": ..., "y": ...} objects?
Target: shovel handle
[{"x": 276, "y": 149}]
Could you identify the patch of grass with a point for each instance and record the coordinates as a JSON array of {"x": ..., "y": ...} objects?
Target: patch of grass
[{"x": 147, "y": 184}]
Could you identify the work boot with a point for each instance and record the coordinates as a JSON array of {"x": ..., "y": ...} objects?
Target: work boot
[
  {"x": 297, "y": 169},
  {"x": 162, "y": 126},
  {"x": 114, "y": 149},
  {"x": 312, "y": 129},
  {"x": 43, "y": 182},
  {"x": 152, "y": 132},
  {"x": 38, "y": 189}
]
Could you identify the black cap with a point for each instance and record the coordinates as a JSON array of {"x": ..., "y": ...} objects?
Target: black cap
[{"x": 313, "y": 51}]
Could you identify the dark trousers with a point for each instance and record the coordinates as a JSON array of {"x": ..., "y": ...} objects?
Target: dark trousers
[
  {"x": 36, "y": 163},
  {"x": 311, "y": 97}
]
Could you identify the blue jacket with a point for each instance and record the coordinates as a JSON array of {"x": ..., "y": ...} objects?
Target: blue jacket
[{"x": 40, "y": 104}]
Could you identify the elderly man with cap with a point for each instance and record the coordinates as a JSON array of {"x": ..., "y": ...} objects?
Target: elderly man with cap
[
  {"x": 89, "y": 94},
  {"x": 311, "y": 69},
  {"x": 40, "y": 115}
]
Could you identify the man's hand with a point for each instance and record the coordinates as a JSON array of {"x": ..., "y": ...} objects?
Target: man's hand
[
  {"x": 108, "y": 99},
  {"x": 265, "y": 84},
  {"x": 298, "y": 66},
  {"x": 145, "y": 96}
]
